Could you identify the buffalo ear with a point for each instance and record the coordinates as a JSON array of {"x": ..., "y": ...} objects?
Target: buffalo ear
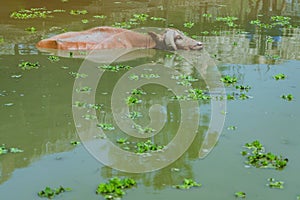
[
  {"x": 170, "y": 39},
  {"x": 158, "y": 39}
]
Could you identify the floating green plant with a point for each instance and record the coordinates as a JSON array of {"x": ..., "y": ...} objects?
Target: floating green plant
[
  {"x": 1, "y": 39},
  {"x": 78, "y": 12},
  {"x": 228, "y": 79},
  {"x": 279, "y": 76},
  {"x": 122, "y": 140},
  {"x": 89, "y": 117},
  {"x": 16, "y": 76},
  {"x": 29, "y": 65},
  {"x": 149, "y": 76},
  {"x": 51, "y": 193},
  {"x": 53, "y": 58},
  {"x": 188, "y": 24},
  {"x": 115, "y": 187},
  {"x": 31, "y": 29},
  {"x": 126, "y": 25},
  {"x": 269, "y": 39},
  {"x": 288, "y": 97},
  {"x": 78, "y": 75},
  {"x": 88, "y": 105},
  {"x": 131, "y": 100},
  {"x": 141, "y": 17},
  {"x": 275, "y": 184},
  {"x": 134, "y": 77},
  {"x": 231, "y": 128},
  {"x": 148, "y": 146},
  {"x": 100, "y": 16},
  {"x": 198, "y": 94},
  {"x": 5, "y": 150},
  {"x": 193, "y": 94},
  {"x": 157, "y": 19},
  {"x": 114, "y": 68},
  {"x": 273, "y": 57},
  {"x": 134, "y": 115},
  {"x": 74, "y": 143},
  {"x": 243, "y": 87},
  {"x": 187, "y": 184},
  {"x": 30, "y": 14},
  {"x": 84, "y": 89},
  {"x": 106, "y": 126},
  {"x": 206, "y": 15},
  {"x": 229, "y": 20},
  {"x": 85, "y": 21},
  {"x": 184, "y": 79},
  {"x": 143, "y": 129},
  {"x": 231, "y": 96},
  {"x": 260, "y": 159},
  {"x": 240, "y": 194},
  {"x": 243, "y": 96},
  {"x": 137, "y": 92}
]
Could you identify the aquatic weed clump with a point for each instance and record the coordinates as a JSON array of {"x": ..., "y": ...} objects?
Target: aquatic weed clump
[
  {"x": 114, "y": 188},
  {"x": 260, "y": 159}
]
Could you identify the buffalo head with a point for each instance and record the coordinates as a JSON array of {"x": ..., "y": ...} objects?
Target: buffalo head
[{"x": 173, "y": 39}]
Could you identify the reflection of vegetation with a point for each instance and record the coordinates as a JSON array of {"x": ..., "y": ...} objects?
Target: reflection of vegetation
[
  {"x": 259, "y": 159},
  {"x": 114, "y": 188},
  {"x": 187, "y": 184},
  {"x": 50, "y": 193}
]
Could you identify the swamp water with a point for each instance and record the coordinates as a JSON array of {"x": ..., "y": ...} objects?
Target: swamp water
[{"x": 38, "y": 106}]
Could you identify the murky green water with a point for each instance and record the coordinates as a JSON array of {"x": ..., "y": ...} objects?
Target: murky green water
[{"x": 37, "y": 114}]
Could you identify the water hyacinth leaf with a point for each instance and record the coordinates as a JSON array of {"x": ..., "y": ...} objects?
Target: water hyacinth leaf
[
  {"x": 187, "y": 184},
  {"x": 29, "y": 65},
  {"x": 275, "y": 184},
  {"x": 258, "y": 158},
  {"x": 240, "y": 194},
  {"x": 115, "y": 187},
  {"x": 106, "y": 126}
]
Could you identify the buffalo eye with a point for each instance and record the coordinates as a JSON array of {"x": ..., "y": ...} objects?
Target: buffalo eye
[{"x": 178, "y": 37}]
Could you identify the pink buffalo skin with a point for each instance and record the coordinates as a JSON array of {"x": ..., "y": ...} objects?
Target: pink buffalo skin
[{"x": 116, "y": 38}]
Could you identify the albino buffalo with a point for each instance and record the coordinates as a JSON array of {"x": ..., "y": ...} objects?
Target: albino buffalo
[{"x": 117, "y": 38}]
